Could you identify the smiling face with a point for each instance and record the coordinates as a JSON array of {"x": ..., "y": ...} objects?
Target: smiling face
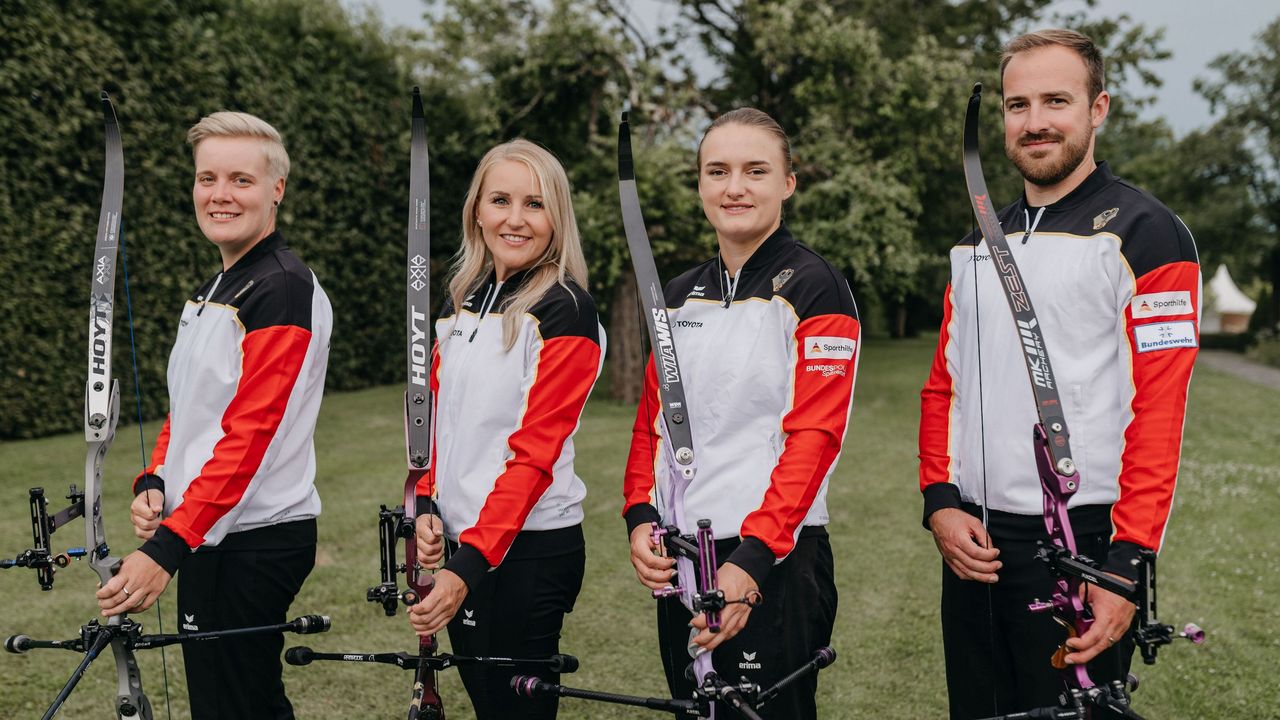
[
  {"x": 235, "y": 194},
  {"x": 743, "y": 180},
  {"x": 513, "y": 218},
  {"x": 1049, "y": 120}
]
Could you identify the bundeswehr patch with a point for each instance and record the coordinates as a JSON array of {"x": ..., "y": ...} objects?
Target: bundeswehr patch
[
  {"x": 1165, "y": 336},
  {"x": 1105, "y": 217},
  {"x": 781, "y": 279}
]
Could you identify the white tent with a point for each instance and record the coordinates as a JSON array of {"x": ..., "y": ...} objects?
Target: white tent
[{"x": 1227, "y": 310}]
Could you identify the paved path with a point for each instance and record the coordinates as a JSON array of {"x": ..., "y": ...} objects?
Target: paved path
[{"x": 1241, "y": 367}]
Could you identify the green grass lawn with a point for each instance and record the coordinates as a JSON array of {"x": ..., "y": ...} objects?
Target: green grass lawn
[{"x": 1221, "y": 566}]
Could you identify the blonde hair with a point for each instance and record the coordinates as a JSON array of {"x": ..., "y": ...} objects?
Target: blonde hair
[
  {"x": 563, "y": 258},
  {"x": 243, "y": 125}
]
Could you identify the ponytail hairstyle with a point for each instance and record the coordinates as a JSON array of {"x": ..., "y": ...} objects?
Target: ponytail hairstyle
[
  {"x": 563, "y": 258},
  {"x": 752, "y": 117}
]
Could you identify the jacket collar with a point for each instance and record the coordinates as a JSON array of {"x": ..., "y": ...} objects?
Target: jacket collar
[
  {"x": 513, "y": 283},
  {"x": 1100, "y": 178},
  {"x": 777, "y": 243},
  {"x": 264, "y": 247}
]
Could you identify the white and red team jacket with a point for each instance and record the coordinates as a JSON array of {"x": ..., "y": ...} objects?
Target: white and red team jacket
[
  {"x": 502, "y": 451},
  {"x": 768, "y": 360},
  {"x": 1115, "y": 281},
  {"x": 245, "y": 378}
]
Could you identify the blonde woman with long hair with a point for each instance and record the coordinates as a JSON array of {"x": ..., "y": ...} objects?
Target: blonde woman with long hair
[{"x": 518, "y": 349}]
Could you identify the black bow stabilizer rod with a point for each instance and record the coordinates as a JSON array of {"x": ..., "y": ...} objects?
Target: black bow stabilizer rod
[{"x": 301, "y": 655}]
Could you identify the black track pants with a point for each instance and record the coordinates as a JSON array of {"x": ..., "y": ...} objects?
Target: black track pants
[
  {"x": 796, "y": 618},
  {"x": 1003, "y": 667},
  {"x": 517, "y": 610},
  {"x": 237, "y": 586}
]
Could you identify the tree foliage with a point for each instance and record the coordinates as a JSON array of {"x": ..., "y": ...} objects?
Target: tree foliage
[
  {"x": 1245, "y": 91},
  {"x": 872, "y": 95},
  {"x": 332, "y": 87}
]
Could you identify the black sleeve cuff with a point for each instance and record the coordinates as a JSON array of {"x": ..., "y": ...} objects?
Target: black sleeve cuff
[
  {"x": 426, "y": 505},
  {"x": 167, "y": 548},
  {"x": 939, "y": 496},
  {"x": 638, "y": 515},
  {"x": 468, "y": 564},
  {"x": 755, "y": 558},
  {"x": 1123, "y": 559},
  {"x": 147, "y": 481}
]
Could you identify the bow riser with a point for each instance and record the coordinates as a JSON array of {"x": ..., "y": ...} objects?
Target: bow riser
[{"x": 1056, "y": 490}]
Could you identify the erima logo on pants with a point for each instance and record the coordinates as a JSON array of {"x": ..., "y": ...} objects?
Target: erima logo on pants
[
  {"x": 468, "y": 619},
  {"x": 189, "y": 623},
  {"x": 748, "y": 661}
]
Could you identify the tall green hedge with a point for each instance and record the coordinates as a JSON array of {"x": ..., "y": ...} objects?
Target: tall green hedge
[{"x": 333, "y": 87}]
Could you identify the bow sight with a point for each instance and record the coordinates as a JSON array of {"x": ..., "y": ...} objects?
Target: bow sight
[
  {"x": 1149, "y": 634},
  {"x": 40, "y": 556},
  {"x": 391, "y": 528}
]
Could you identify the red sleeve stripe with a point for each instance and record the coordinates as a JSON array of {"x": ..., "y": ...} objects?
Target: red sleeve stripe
[
  {"x": 814, "y": 427},
  {"x": 1153, "y": 438},
  {"x": 158, "y": 454},
  {"x": 639, "y": 480},
  {"x": 937, "y": 402},
  {"x": 565, "y": 372},
  {"x": 272, "y": 361}
]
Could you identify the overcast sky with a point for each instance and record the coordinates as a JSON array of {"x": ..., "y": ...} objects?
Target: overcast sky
[{"x": 1196, "y": 31}]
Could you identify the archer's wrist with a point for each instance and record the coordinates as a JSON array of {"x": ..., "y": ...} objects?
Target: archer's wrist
[
  {"x": 1123, "y": 559},
  {"x": 426, "y": 505},
  {"x": 167, "y": 549},
  {"x": 755, "y": 558},
  {"x": 147, "y": 481},
  {"x": 469, "y": 565},
  {"x": 939, "y": 496},
  {"x": 641, "y": 514}
]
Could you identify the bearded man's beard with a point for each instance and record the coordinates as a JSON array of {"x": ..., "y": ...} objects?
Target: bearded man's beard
[{"x": 1039, "y": 172}]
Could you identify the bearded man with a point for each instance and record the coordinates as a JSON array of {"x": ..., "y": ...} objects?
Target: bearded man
[{"x": 1115, "y": 280}]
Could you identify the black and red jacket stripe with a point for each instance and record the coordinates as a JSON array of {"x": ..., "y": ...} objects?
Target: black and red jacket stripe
[
  {"x": 503, "y": 453},
  {"x": 769, "y": 360},
  {"x": 1115, "y": 281},
  {"x": 245, "y": 378}
]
